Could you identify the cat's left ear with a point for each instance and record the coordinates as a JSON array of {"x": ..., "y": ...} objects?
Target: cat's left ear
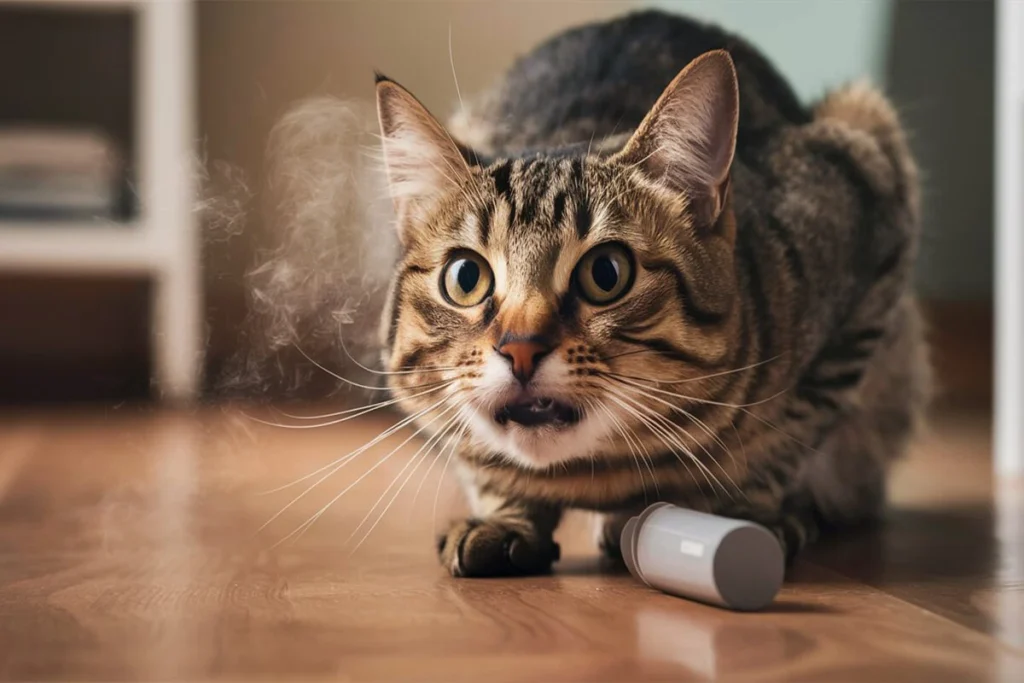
[
  {"x": 423, "y": 161},
  {"x": 687, "y": 141}
]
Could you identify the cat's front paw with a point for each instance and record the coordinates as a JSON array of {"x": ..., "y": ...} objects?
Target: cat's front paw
[{"x": 482, "y": 548}]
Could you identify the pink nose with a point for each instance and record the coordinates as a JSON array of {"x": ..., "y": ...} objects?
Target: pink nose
[{"x": 524, "y": 357}]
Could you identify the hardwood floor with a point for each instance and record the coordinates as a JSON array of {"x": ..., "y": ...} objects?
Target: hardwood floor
[{"x": 130, "y": 549}]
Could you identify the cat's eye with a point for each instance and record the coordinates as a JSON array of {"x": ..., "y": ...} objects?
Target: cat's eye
[
  {"x": 605, "y": 273},
  {"x": 467, "y": 279}
]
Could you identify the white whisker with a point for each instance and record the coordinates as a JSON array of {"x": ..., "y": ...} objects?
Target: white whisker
[
  {"x": 636, "y": 457},
  {"x": 743, "y": 407},
  {"x": 349, "y": 414},
  {"x": 388, "y": 373},
  {"x": 451, "y": 59},
  {"x": 416, "y": 457},
  {"x": 668, "y": 423},
  {"x": 440, "y": 481},
  {"x": 348, "y": 457},
  {"x": 669, "y": 439},
  {"x": 451, "y": 444},
  {"x": 738, "y": 406},
  {"x": 690, "y": 379},
  {"x": 440, "y": 434},
  {"x": 336, "y": 375},
  {"x": 368, "y": 408},
  {"x": 312, "y": 520}
]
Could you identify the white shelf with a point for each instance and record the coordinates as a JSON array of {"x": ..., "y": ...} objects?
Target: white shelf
[
  {"x": 76, "y": 247},
  {"x": 164, "y": 245}
]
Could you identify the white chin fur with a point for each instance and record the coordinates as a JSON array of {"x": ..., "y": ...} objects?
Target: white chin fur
[{"x": 533, "y": 447}]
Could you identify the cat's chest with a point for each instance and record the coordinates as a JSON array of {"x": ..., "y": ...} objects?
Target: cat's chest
[{"x": 592, "y": 485}]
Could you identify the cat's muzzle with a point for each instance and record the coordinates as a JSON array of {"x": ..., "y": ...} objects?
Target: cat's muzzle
[{"x": 538, "y": 412}]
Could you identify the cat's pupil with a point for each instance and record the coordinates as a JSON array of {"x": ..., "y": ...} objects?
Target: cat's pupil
[
  {"x": 605, "y": 272},
  {"x": 467, "y": 274}
]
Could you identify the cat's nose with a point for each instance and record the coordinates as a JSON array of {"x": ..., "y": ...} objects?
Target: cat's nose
[{"x": 524, "y": 355}]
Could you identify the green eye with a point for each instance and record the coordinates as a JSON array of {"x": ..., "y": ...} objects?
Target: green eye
[
  {"x": 467, "y": 279},
  {"x": 605, "y": 273}
]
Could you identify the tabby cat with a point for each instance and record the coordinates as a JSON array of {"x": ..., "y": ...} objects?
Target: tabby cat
[{"x": 613, "y": 292}]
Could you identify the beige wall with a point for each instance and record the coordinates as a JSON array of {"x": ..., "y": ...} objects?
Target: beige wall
[{"x": 256, "y": 58}]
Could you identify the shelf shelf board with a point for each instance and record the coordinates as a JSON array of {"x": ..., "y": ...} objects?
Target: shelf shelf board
[{"x": 77, "y": 247}]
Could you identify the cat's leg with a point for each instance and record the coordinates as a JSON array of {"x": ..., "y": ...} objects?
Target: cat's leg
[
  {"x": 608, "y": 532},
  {"x": 793, "y": 518},
  {"x": 503, "y": 538}
]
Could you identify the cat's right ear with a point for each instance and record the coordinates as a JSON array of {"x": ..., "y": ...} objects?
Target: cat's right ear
[
  {"x": 688, "y": 139},
  {"x": 423, "y": 162}
]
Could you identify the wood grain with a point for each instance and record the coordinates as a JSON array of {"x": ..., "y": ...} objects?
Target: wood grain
[{"x": 130, "y": 550}]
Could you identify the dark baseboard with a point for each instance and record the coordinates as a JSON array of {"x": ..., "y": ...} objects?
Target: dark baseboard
[{"x": 961, "y": 336}]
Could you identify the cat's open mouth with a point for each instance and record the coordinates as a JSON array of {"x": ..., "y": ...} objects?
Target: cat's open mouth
[{"x": 537, "y": 412}]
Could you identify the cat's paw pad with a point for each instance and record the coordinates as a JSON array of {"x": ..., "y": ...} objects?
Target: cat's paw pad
[{"x": 482, "y": 548}]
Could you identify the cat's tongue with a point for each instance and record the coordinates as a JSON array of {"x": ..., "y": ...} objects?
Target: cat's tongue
[{"x": 534, "y": 412}]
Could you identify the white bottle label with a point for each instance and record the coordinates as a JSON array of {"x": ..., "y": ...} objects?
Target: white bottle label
[{"x": 691, "y": 548}]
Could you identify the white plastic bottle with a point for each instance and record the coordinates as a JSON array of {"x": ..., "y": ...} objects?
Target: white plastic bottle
[{"x": 721, "y": 561}]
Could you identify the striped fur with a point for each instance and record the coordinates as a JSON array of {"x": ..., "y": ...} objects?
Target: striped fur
[{"x": 768, "y": 360}]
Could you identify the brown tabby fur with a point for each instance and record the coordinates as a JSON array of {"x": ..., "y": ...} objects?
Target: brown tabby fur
[{"x": 767, "y": 363}]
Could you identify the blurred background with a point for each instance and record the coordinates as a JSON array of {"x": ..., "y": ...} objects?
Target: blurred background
[{"x": 112, "y": 112}]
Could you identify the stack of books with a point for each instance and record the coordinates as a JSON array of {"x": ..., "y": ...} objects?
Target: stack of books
[{"x": 58, "y": 173}]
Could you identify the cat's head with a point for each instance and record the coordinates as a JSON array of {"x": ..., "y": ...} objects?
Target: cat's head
[{"x": 535, "y": 295}]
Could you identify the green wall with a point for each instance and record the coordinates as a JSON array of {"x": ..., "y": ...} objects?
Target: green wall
[
  {"x": 817, "y": 44},
  {"x": 935, "y": 61}
]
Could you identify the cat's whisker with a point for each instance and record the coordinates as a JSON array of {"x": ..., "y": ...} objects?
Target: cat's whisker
[
  {"x": 690, "y": 379},
  {"x": 387, "y": 373},
  {"x": 694, "y": 399},
  {"x": 656, "y": 427},
  {"x": 636, "y": 415},
  {"x": 590, "y": 144},
  {"x": 401, "y": 424},
  {"x": 348, "y": 381},
  {"x": 421, "y": 454},
  {"x": 368, "y": 408},
  {"x": 710, "y": 432},
  {"x": 440, "y": 480},
  {"x": 743, "y": 407},
  {"x": 743, "y": 448},
  {"x": 451, "y": 60},
  {"x": 617, "y": 424},
  {"x": 449, "y": 445},
  {"x": 718, "y": 441},
  {"x": 633, "y": 352},
  {"x": 693, "y": 418},
  {"x": 640, "y": 445},
  {"x": 591, "y": 407},
  {"x": 335, "y": 466},
  {"x": 671, "y": 444},
  {"x": 349, "y": 416},
  {"x": 312, "y": 520},
  {"x": 781, "y": 431},
  {"x": 450, "y": 424}
]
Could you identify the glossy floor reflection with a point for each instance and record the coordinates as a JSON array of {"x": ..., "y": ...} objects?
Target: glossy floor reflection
[{"x": 130, "y": 549}]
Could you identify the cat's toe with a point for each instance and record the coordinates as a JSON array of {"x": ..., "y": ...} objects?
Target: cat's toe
[{"x": 479, "y": 548}]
